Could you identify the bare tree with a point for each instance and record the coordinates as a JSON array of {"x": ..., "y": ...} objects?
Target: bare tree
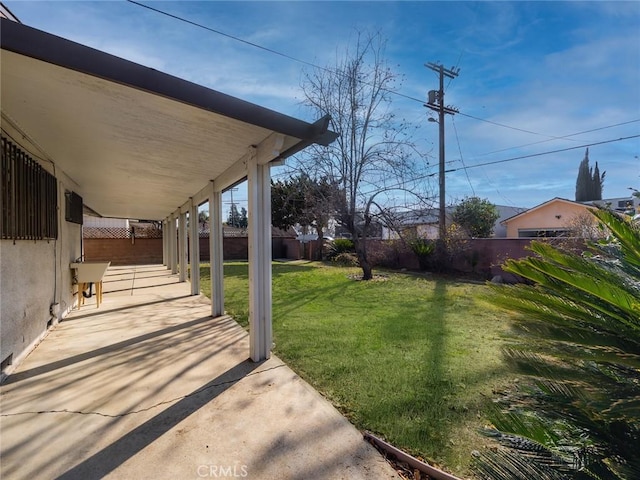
[{"x": 374, "y": 159}]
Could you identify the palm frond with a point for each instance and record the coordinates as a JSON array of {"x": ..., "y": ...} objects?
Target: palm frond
[
  {"x": 502, "y": 464},
  {"x": 575, "y": 263},
  {"x": 576, "y": 412},
  {"x": 583, "y": 286},
  {"x": 624, "y": 408},
  {"x": 624, "y": 232},
  {"x": 544, "y": 303}
]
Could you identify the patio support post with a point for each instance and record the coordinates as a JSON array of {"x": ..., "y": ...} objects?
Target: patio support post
[
  {"x": 216, "y": 252},
  {"x": 194, "y": 229},
  {"x": 182, "y": 246},
  {"x": 166, "y": 235},
  {"x": 259, "y": 189},
  {"x": 165, "y": 260},
  {"x": 173, "y": 253}
]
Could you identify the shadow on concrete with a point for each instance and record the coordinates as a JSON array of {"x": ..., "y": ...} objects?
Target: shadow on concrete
[
  {"x": 284, "y": 447},
  {"x": 139, "y": 275},
  {"x": 131, "y": 289},
  {"x": 120, "y": 309},
  {"x": 111, "y": 457},
  {"x": 34, "y": 372}
]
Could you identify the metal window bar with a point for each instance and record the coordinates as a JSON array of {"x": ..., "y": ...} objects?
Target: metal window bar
[
  {"x": 52, "y": 207},
  {"x": 4, "y": 180},
  {"x": 29, "y": 197},
  {"x": 19, "y": 189}
]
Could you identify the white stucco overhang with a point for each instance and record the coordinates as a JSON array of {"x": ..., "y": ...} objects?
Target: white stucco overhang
[{"x": 138, "y": 143}]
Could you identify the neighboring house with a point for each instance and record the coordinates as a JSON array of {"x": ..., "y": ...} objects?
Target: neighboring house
[
  {"x": 553, "y": 218},
  {"x": 310, "y": 233},
  {"x": 416, "y": 223},
  {"x": 85, "y": 129},
  {"x": 374, "y": 230},
  {"x": 629, "y": 205},
  {"x": 424, "y": 223},
  {"x": 100, "y": 227},
  {"x": 505, "y": 212},
  {"x": 90, "y": 221}
]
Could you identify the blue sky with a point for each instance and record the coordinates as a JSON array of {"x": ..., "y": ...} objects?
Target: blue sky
[{"x": 540, "y": 70}]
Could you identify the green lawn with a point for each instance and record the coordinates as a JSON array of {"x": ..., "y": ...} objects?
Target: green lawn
[{"x": 410, "y": 358}]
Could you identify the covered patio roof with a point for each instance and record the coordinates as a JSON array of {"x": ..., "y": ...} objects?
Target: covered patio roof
[{"x": 139, "y": 143}]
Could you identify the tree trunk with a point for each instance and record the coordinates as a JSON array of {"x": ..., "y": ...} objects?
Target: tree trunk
[
  {"x": 366, "y": 268},
  {"x": 319, "y": 254},
  {"x": 361, "y": 251}
]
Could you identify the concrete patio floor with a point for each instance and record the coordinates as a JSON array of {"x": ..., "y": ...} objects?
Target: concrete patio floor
[{"x": 151, "y": 386}]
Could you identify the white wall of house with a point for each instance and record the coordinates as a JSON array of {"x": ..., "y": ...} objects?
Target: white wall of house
[
  {"x": 504, "y": 212},
  {"x": 33, "y": 276},
  {"x": 429, "y": 230}
]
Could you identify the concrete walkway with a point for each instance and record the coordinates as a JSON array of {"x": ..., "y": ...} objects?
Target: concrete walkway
[{"x": 150, "y": 386}]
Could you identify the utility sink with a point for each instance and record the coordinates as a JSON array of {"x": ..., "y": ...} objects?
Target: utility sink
[{"x": 90, "y": 272}]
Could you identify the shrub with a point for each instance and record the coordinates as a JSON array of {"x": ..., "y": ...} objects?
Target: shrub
[
  {"x": 346, "y": 259},
  {"x": 423, "y": 248},
  {"x": 389, "y": 254},
  {"x": 339, "y": 246},
  {"x": 455, "y": 245}
]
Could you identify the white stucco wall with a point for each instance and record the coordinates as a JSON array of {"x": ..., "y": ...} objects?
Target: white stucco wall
[
  {"x": 34, "y": 275},
  {"x": 504, "y": 212}
]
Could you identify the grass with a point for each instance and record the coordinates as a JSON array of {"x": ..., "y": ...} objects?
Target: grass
[{"x": 410, "y": 358}]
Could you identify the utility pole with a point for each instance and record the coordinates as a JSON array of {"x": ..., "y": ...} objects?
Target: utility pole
[
  {"x": 233, "y": 204},
  {"x": 436, "y": 102}
]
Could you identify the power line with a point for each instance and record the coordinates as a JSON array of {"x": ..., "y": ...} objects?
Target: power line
[
  {"x": 455, "y": 129},
  {"x": 454, "y": 68},
  {"x": 542, "y": 153},
  {"x": 393, "y": 92},
  {"x": 555, "y": 138},
  {"x": 511, "y": 128},
  {"x": 304, "y": 62},
  {"x": 213, "y": 30},
  {"x": 400, "y": 186}
]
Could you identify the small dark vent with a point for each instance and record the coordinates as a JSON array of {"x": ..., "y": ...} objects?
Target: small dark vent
[{"x": 73, "y": 207}]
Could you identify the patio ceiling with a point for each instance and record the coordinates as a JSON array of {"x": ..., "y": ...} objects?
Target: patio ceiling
[{"x": 138, "y": 143}]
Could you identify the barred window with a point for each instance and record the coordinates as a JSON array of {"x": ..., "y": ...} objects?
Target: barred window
[{"x": 29, "y": 197}]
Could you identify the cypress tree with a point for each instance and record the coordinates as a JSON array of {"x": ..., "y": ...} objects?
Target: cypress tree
[
  {"x": 589, "y": 182},
  {"x": 584, "y": 179},
  {"x": 598, "y": 181}
]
